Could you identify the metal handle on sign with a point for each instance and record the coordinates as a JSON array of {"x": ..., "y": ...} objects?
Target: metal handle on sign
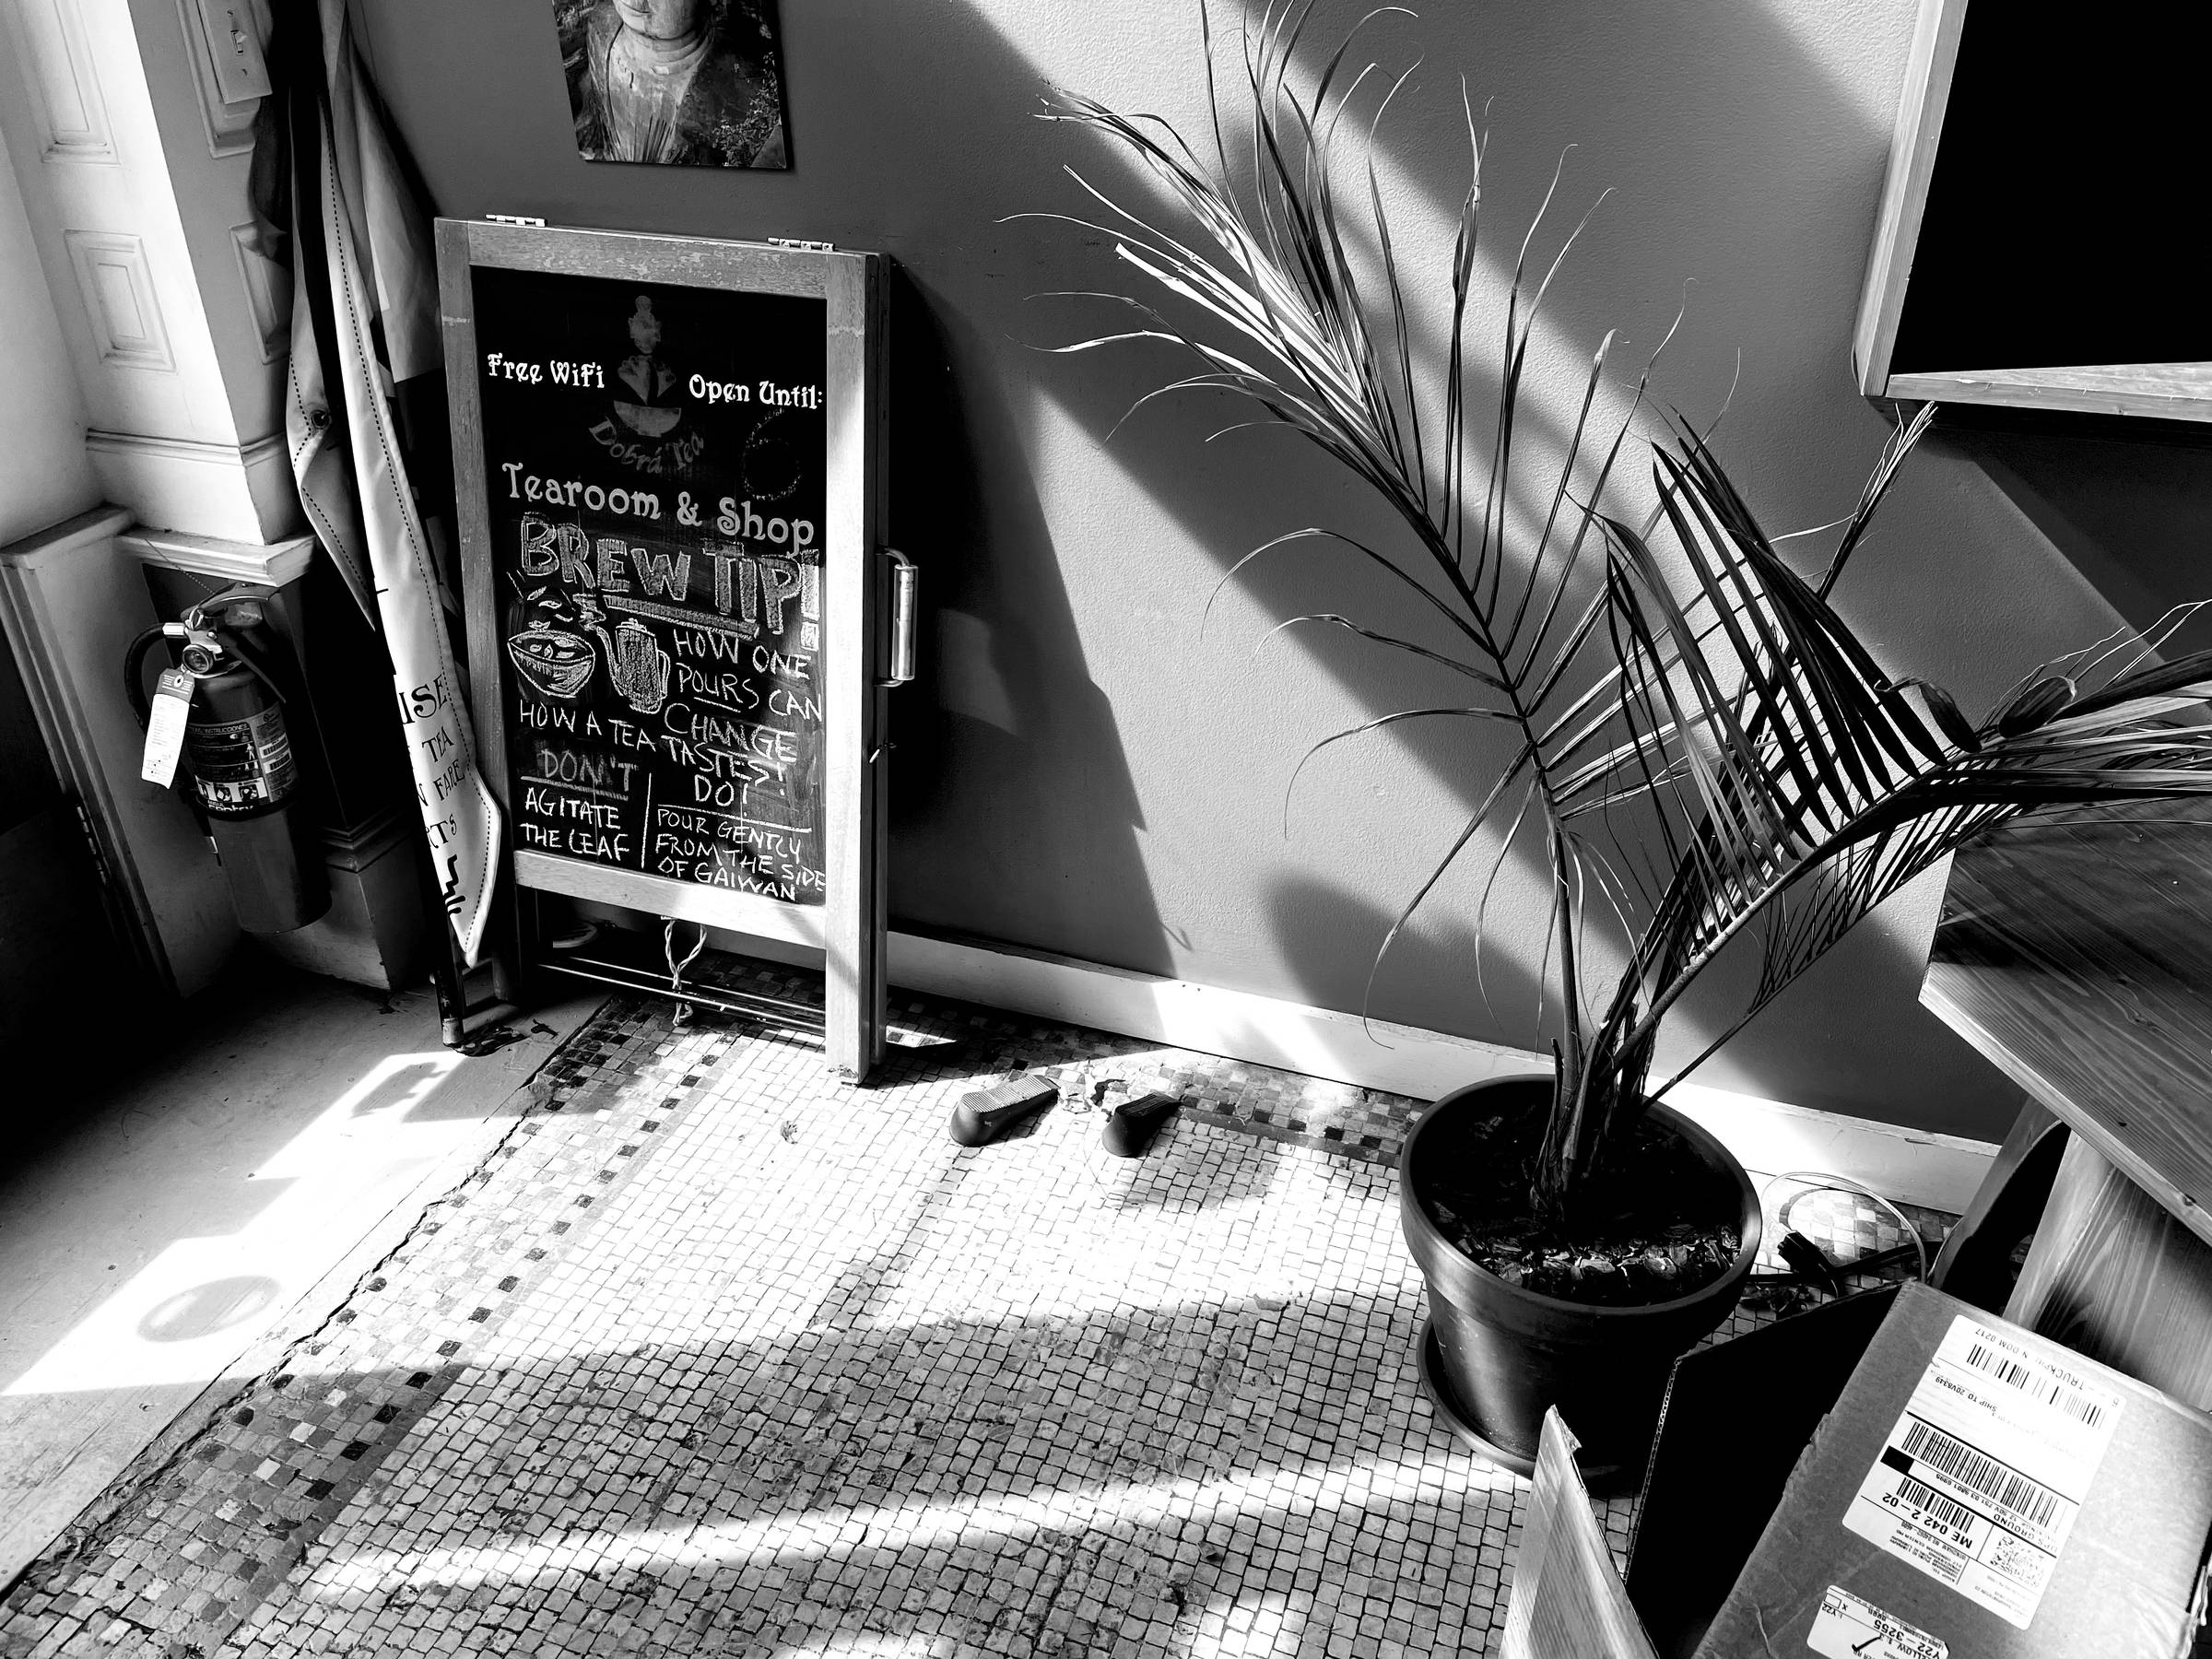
[{"x": 905, "y": 586}]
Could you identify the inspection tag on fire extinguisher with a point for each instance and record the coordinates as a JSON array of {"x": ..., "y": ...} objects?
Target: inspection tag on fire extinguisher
[{"x": 165, "y": 727}]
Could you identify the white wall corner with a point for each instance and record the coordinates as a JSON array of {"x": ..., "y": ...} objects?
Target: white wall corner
[
  {"x": 174, "y": 323},
  {"x": 110, "y": 227}
]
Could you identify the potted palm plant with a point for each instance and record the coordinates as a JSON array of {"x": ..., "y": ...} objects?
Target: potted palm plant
[{"x": 1700, "y": 753}]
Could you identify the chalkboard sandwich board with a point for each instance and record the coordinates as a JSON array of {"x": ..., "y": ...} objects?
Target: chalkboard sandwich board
[{"x": 668, "y": 453}]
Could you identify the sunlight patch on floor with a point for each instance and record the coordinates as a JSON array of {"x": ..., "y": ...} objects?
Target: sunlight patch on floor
[
  {"x": 192, "y": 1309},
  {"x": 1320, "y": 1491}
]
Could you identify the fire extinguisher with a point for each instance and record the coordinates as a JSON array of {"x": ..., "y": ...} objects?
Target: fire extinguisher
[{"x": 220, "y": 707}]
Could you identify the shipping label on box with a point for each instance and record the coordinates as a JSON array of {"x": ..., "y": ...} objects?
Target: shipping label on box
[
  {"x": 1850, "y": 1627},
  {"x": 1979, "y": 1483},
  {"x": 1980, "y": 1492}
]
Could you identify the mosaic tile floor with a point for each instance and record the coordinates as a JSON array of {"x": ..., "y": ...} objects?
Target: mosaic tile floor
[{"x": 716, "y": 1356}]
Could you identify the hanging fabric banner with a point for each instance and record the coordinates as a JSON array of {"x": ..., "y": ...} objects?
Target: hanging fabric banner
[{"x": 365, "y": 286}]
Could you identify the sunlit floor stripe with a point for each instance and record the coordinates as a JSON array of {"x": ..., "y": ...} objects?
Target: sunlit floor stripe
[{"x": 1317, "y": 1489}]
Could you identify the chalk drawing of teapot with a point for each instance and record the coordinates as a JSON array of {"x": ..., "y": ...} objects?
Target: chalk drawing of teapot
[{"x": 635, "y": 660}]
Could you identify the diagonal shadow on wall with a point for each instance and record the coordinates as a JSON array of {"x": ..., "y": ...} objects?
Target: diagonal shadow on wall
[{"x": 1086, "y": 775}]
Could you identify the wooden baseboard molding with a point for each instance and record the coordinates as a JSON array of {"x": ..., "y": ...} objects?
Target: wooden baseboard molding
[{"x": 1911, "y": 1166}]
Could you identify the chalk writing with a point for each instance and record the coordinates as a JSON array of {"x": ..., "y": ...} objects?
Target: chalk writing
[{"x": 658, "y": 553}]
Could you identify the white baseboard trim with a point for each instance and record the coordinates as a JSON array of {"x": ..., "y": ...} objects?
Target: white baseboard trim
[{"x": 1911, "y": 1166}]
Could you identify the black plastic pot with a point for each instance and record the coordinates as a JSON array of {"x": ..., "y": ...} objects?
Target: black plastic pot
[{"x": 1495, "y": 1354}]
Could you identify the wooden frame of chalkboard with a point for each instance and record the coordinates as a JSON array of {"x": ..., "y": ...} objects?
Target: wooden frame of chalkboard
[
  {"x": 668, "y": 462},
  {"x": 2006, "y": 124}
]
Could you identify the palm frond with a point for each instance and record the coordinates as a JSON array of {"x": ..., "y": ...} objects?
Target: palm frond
[{"x": 1700, "y": 745}]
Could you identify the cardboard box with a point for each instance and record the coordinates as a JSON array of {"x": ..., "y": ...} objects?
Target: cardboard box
[
  {"x": 1748, "y": 1405},
  {"x": 1980, "y": 1492},
  {"x": 1566, "y": 1600}
]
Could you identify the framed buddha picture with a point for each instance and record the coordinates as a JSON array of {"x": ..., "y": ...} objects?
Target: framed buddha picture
[{"x": 680, "y": 83}]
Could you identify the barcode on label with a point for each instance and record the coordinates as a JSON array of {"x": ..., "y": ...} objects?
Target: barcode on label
[
  {"x": 2027, "y": 1499},
  {"x": 1933, "y": 1504},
  {"x": 2033, "y": 1384}
]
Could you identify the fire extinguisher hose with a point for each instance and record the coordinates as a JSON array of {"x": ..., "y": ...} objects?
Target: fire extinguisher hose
[{"x": 134, "y": 672}]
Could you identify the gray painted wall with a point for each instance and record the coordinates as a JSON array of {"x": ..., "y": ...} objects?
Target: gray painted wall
[{"x": 1079, "y": 770}]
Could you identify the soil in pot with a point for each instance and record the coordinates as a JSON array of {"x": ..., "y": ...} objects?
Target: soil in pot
[{"x": 1655, "y": 1225}]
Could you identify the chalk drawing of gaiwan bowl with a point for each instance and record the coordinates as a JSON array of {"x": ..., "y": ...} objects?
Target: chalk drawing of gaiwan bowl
[{"x": 552, "y": 664}]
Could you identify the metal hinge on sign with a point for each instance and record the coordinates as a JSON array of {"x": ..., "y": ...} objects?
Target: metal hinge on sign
[
  {"x": 515, "y": 219},
  {"x": 905, "y": 607},
  {"x": 802, "y": 247}
]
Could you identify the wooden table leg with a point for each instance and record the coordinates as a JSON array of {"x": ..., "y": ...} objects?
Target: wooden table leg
[
  {"x": 1975, "y": 1264},
  {"x": 2114, "y": 1275}
]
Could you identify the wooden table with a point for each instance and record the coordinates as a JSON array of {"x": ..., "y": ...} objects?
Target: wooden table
[{"x": 2076, "y": 954}]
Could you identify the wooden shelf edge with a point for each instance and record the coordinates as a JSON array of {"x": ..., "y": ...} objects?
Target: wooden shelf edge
[
  {"x": 1935, "y": 996},
  {"x": 2008, "y": 390}
]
